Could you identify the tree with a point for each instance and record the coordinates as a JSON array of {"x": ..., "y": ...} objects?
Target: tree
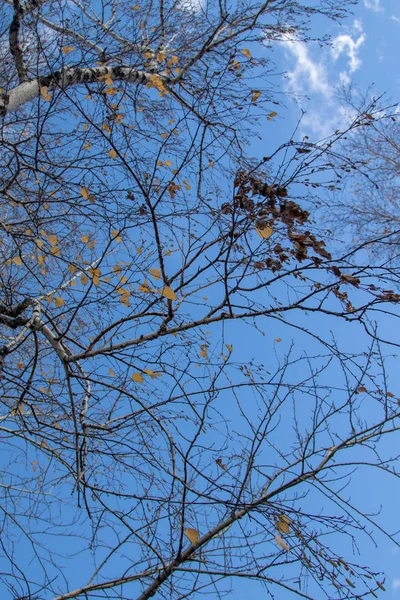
[
  {"x": 146, "y": 455},
  {"x": 367, "y": 204}
]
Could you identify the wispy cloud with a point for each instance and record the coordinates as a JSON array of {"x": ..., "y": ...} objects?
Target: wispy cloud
[
  {"x": 374, "y": 5},
  {"x": 346, "y": 44},
  {"x": 191, "y": 5},
  {"x": 306, "y": 74},
  {"x": 396, "y": 584},
  {"x": 395, "y": 18},
  {"x": 315, "y": 76}
]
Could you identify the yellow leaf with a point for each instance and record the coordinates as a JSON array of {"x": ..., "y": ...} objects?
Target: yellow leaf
[
  {"x": 164, "y": 135},
  {"x": 96, "y": 280},
  {"x": 229, "y": 347},
  {"x": 144, "y": 287},
  {"x": 136, "y": 7},
  {"x": 67, "y": 49},
  {"x": 255, "y": 95},
  {"x": 173, "y": 61},
  {"x": 156, "y": 273},
  {"x": 115, "y": 235},
  {"x": 160, "y": 163},
  {"x": 139, "y": 251},
  {"x": 137, "y": 377},
  {"x": 152, "y": 374},
  {"x": 45, "y": 93},
  {"x": 192, "y": 535},
  {"x": 20, "y": 365},
  {"x": 112, "y": 153},
  {"x": 72, "y": 268},
  {"x": 55, "y": 251},
  {"x": 167, "y": 292},
  {"x": 283, "y": 524},
  {"x": 272, "y": 114},
  {"x": 52, "y": 240},
  {"x": 85, "y": 192},
  {"x": 264, "y": 232},
  {"x": 278, "y": 340},
  {"x": 117, "y": 269},
  {"x": 111, "y": 373},
  {"x": 40, "y": 259},
  {"x": 85, "y": 239},
  {"x": 17, "y": 261},
  {"x": 148, "y": 54},
  {"x": 111, "y": 91},
  {"x": 125, "y": 299},
  {"x": 168, "y": 163},
  {"x": 59, "y": 301},
  {"x": 84, "y": 279},
  {"x": 282, "y": 543},
  {"x": 246, "y": 52}
]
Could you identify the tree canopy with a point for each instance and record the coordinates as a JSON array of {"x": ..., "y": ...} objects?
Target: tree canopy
[{"x": 192, "y": 368}]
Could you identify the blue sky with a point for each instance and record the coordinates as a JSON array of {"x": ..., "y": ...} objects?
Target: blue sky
[{"x": 364, "y": 53}]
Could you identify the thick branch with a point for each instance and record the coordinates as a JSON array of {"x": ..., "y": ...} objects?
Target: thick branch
[
  {"x": 29, "y": 90},
  {"x": 15, "y": 47}
]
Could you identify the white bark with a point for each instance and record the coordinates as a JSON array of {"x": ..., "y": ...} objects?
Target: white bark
[{"x": 29, "y": 90}]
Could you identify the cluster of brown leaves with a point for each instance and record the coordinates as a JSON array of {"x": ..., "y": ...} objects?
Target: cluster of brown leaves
[{"x": 267, "y": 213}]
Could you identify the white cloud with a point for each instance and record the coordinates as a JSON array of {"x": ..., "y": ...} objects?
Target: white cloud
[
  {"x": 396, "y": 584},
  {"x": 395, "y": 18},
  {"x": 306, "y": 74},
  {"x": 191, "y": 5},
  {"x": 374, "y": 5},
  {"x": 314, "y": 78},
  {"x": 346, "y": 44}
]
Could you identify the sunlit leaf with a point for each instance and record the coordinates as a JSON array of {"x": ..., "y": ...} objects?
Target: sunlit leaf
[
  {"x": 85, "y": 192},
  {"x": 282, "y": 543},
  {"x": 84, "y": 279},
  {"x": 17, "y": 261},
  {"x": 151, "y": 373},
  {"x": 144, "y": 287},
  {"x": 111, "y": 372},
  {"x": 264, "y": 232},
  {"x": 115, "y": 235},
  {"x": 53, "y": 240},
  {"x": 137, "y": 377},
  {"x": 45, "y": 93},
  {"x": 67, "y": 49},
  {"x": 167, "y": 292},
  {"x": 58, "y": 301},
  {"x": 156, "y": 273},
  {"x": 255, "y": 95},
  {"x": 283, "y": 524},
  {"x": 246, "y": 52},
  {"x": 112, "y": 153},
  {"x": 229, "y": 347},
  {"x": 192, "y": 535}
]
